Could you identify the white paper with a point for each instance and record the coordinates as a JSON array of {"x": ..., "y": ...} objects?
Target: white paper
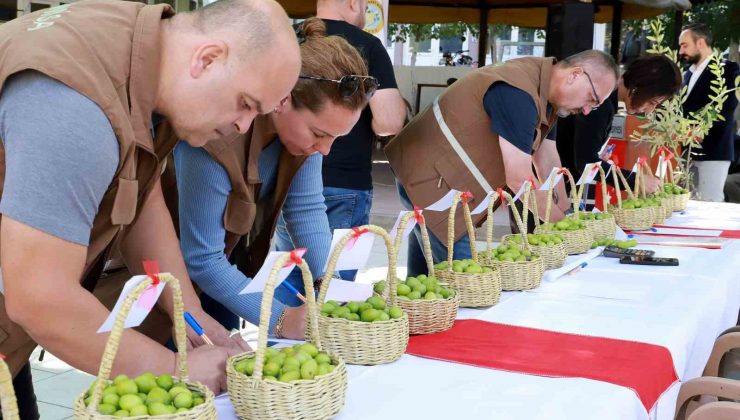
[
  {"x": 571, "y": 263},
  {"x": 686, "y": 232},
  {"x": 483, "y": 206},
  {"x": 552, "y": 179},
  {"x": 620, "y": 235},
  {"x": 356, "y": 252},
  {"x": 407, "y": 229},
  {"x": 140, "y": 308},
  {"x": 443, "y": 203},
  {"x": 348, "y": 291},
  {"x": 521, "y": 191},
  {"x": 589, "y": 173},
  {"x": 259, "y": 282},
  {"x": 662, "y": 167}
]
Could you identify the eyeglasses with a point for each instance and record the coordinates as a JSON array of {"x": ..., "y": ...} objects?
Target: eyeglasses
[
  {"x": 350, "y": 84},
  {"x": 598, "y": 101}
]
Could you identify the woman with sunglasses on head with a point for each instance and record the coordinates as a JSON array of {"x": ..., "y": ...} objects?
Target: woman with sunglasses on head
[
  {"x": 645, "y": 84},
  {"x": 231, "y": 192}
]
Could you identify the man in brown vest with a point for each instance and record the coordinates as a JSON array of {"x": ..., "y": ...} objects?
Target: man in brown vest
[
  {"x": 84, "y": 87},
  {"x": 487, "y": 131}
]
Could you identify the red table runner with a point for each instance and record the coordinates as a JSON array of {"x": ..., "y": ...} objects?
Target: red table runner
[{"x": 647, "y": 369}]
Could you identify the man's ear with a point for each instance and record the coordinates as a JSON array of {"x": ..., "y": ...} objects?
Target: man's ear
[
  {"x": 206, "y": 55},
  {"x": 284, "y": 105}
]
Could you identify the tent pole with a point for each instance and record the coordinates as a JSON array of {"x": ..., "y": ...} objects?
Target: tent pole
[
  {"x": 616, "y": 29},
  {"x": 482, "y": 36}
]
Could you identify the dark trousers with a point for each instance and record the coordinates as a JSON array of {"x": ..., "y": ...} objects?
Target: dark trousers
[{"x": 23, "y": 384}]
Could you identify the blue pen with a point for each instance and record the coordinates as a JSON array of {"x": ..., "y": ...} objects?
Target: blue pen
[
  {"x": 197, "y": 328},
  {"x": 578, "y": 268},
  {"x": 294, "y": 290}
]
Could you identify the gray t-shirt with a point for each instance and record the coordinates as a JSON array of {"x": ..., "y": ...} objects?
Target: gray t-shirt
[{"x": 60, "y": 156}]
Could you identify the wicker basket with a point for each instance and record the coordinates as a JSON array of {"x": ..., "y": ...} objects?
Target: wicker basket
[
  {"x": 576, "y": 241},
  {"x": 679, "y": 202},
  {"x": 553, "y": 256},
  {"x": 515, "y": 275},
  {"x": 426, "y": 316},
  {"x": 475, "y": 289},
  {"x": 631, "y": 219},
  {"x": 205, "y": 411},
  {"x": 8, "y": 402},
  {"x": 254, "y": 397},
  {"x": 605, "y": 228},
  {"x": 364, "y": 343}
]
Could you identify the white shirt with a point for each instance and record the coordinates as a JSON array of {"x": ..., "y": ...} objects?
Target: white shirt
[{"x": 696, "y": 71}]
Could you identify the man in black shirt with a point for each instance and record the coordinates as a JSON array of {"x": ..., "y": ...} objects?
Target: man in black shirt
[{"x": 347, "y": 170}]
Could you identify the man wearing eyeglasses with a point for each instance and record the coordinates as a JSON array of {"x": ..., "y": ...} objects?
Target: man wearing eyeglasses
[
  {"x": 347, "y": 170},
  {"x": 487, "y": 131}
]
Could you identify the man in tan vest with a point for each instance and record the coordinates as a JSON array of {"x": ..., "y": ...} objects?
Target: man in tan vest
[
  {"x": 487, "y": 131},
  {"x": 92, "y": 96}
]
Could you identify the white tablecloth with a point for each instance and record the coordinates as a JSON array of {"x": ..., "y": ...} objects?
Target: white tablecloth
[{"x": 682, "y": 308}]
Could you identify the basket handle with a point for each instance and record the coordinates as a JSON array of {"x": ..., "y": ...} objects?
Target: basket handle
[
  {"x": 114, "y": 339},
  {"x": 604, "y": 192},
  {"x": 337, "y": 251},
  {"x": 550, "y": 192},
  {"x": 451, "y": 229},
  {"x": 266, "y": 308},
  {"x": 8, "y": 402},
  {"x": 533, "y": 207},
  {"x": 520, "y": 222},
  {"x": 489, "y": 218},
  {"x": 576, "y": 193},
  {"x": 618, "y": 172},
  {"x": 426, "y": 248}
]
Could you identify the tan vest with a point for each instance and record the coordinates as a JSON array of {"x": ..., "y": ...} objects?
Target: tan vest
[
  {"x": 250, "y": 222},
  {"x": 429, "y": 157},
  {"x": 109, "y": 51}
]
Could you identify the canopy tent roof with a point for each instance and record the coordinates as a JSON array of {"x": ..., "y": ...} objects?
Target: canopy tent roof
[{"x": 526, "y": 13}]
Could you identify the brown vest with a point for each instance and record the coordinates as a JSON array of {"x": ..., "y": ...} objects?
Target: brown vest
[
  {"x": 427, "y": 165},
  {"x": 108, "y": 51},
  {"x": 250, "y": 222}
]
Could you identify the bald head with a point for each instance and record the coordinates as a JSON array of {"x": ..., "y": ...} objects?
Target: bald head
[
  {"x": 254, "y": 25},
  {"x": 219, "y": 69}
]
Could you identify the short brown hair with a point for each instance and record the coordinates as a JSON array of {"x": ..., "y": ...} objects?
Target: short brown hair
[
  {"x": 651, "y": 76},
  {"x": 327, "y": 57}
]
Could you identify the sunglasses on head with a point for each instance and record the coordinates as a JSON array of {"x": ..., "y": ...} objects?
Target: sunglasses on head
[{"x": 350, "y": 84}]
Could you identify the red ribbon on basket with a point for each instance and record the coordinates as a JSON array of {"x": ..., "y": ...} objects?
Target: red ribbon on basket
[
  {"x": 149, "y": 297},
  {"x": 615, "y": 159},
  {"x": 667, "y": 154},
  {"x": 2, "y": 356},
  {"x": 562, "y": 171},
  {"x": 151, "y": 268},
  {"x": 500, "y": 192},
  {"x": 417, "y": 215},
  {"x": 532, "y": 181},
  {"x": 356, "y": 233},
  {"x": 466, "y": 197},
  {"x": 641, "y": 160},
  {"x": 296, "y": 257}
]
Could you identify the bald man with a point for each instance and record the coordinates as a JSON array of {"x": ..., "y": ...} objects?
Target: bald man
[{"x": 92, "y": 97}]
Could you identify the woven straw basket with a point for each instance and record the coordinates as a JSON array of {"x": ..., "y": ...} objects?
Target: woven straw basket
[
  {"x": 678, "y": 202},
  {"x": 515, "y": 275},
  {"x": 205, "y": 411},
  {"x": 631, "y": 219},
  {"x": 426, "y": 316},
  {"x": 604, "y": 228},
  {"x": 8, "y": 403},
  {"x": 364, "y": 343},
  {"x": 576, "y": 241},
  {"x": 254, "y": 397},
  {"x": 553, "y": 256},
  {"x": 475, "y": 289}
]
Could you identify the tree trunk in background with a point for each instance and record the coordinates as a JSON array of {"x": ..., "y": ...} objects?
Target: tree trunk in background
[
  {"x": 413, "y": 47},
  {"x": 492, "y": 32}
]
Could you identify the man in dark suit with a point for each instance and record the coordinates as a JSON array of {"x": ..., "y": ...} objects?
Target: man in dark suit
[{"x": 712, "y": 161}]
